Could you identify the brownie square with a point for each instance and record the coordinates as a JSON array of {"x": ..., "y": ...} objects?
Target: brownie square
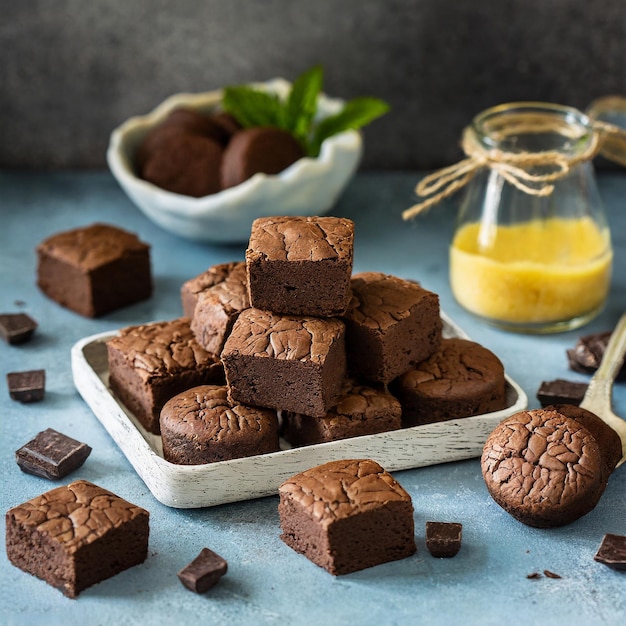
[
  {"x": 346, "y": 516},
  {"x": 289, "y": 363},
  {"x": 300, "y": 265},
  {"x": 461, "y": 379},
  {"x": 151, "y": 363},
  {"x": 200, "y": 425},
  {"x": 94, "y": 270},
  {"x": 192, "y": 288},
  {"x": 361, "y": 410},
  {"x": 76, "y": 536},
  {"x": 391, "y": 324},
  {"x": 218, "y": 307}
]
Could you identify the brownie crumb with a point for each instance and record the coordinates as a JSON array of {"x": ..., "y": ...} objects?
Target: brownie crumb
[
  {"x": 534, "y": 576},
  {"x": 548, "y": 574}
]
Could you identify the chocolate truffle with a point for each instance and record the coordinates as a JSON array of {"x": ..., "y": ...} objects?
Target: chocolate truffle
[
  {"x": 94, "y": 270},
  {"x": 461, "y": 379},
  {"x": 346, "y": 516},
  {"x": 300, "y": 265},
  {"x": 218, "y": 307},
  {"x": 151, "y": 363},
  {"x": 289, "y": 363},
  {"x": 361, "y": 410},
  {"x": 185, "y": 164},
  {"x": 201, "y": 425},
  {"x": 193, "y": 287},
  {"x": 391, "y": 324},
  {"x": 261, "y": 149},
  {"x": 76, "y": 536},
  {"x": 543, "y": 468}
]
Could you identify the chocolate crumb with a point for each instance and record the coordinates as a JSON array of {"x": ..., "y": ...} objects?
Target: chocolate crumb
[
  {"x": 549, "y": 574},
  {"x": 534, "y": 576}
]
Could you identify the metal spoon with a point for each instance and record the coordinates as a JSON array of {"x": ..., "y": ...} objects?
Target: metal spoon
[{"x": 598, "y": 396}]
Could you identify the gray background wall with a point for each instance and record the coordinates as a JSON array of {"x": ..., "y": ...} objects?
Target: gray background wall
[{"x": 71, "y": 70}]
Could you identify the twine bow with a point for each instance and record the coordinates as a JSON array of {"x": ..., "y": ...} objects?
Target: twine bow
[{"x": 514, "y": 167}]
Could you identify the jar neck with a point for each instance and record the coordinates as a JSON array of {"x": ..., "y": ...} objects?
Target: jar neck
[{"x": 531, "y": 127}]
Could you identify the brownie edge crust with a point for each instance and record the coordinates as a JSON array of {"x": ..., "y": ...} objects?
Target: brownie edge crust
[{"x": 346, "y": 516}]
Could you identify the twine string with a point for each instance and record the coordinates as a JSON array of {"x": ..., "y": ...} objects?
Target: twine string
[{"x": 515, "y": 168}]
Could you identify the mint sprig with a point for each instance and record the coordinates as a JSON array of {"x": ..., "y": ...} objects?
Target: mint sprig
[{"x": 297, "y": 112}]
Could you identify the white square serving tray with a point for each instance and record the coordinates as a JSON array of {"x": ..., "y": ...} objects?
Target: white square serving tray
[{"x": 192, "y": 486}]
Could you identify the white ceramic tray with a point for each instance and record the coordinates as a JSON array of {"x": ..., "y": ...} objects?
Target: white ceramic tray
[{"x": 190, "y": 486}]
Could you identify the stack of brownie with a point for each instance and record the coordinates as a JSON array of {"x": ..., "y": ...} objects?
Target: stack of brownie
[{"x": 292, "y": 332}]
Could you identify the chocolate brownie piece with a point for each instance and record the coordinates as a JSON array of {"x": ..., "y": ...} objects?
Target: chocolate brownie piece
[
  {"x": 151, "y": 363},
  {"x": 192, "y": 288},
  {"x": 76, "y": 536},
  {"x": 346, "y": 516},
  {"x": 28, "y": 386},
  {"x": 543, "y": 468},
  {"x": 52, "y": 455},
  {"x": 218, "y": 308},
  {"x": 185, "y": 164},
  {"x": 361, "y": 410},
  {"x": 16, "y": 328},
  {"x": 300, "y": 265},
  {"x": 261, "y": 149},
  {"x": 201, "y": 425},
  {"x": 94, "y": 270},
  {"x": 289, "y": 363},
  {"x": 561, "y": 391},
  {"x": 391, "y": 324},
  {"x": 461, "y": 379}
]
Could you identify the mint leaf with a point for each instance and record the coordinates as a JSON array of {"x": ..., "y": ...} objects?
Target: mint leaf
[
  {"x": 302, "y": 103},
  {"x": 253, "y": 107},
  {"x": 355, "y": 114}
]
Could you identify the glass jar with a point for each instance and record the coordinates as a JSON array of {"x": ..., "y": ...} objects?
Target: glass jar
[{"x": 532, "y": 250}]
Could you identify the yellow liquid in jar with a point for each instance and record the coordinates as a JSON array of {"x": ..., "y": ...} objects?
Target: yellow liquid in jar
[{"x": 534, "y": 272}]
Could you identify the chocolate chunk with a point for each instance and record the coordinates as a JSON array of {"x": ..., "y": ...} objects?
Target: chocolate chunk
[
  {"x": 443, "y": 539},
  {"x": 612, "y": 552},
  {"x": 51, "y": 455},
  {"x": 587, "y": 354},
  {"x": 16, "y": 327},
  {"x": 259, "y": 149},
  {"x": 561, "y": 391},
  {"x": 203, "y": 572},
  {"x": 27, "y": 386}
]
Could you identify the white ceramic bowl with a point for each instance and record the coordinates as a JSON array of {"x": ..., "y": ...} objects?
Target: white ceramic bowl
[{"x": 307, "y": 187}]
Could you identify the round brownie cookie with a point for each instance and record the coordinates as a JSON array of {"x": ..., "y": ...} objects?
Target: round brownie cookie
[
  {"x": 608, "y": 440},
  {"x": 200, "y": 425},
  {"x": 260, "y": 149},
  {"x": 185, "y": 164},
  {"x": 227, "y": 123},
  {"x": 543, "y": 468},
  {"x": 461, "y": 379}
]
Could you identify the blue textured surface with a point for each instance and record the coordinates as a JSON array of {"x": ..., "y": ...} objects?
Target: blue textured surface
[{"x": 268, "y": 583}]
